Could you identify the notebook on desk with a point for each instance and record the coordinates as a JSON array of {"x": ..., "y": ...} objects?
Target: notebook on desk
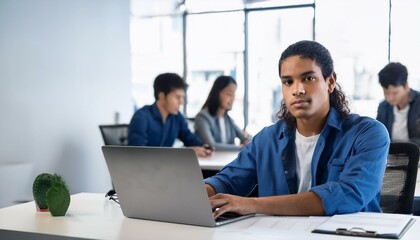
[{"x": 162, "y": 184}]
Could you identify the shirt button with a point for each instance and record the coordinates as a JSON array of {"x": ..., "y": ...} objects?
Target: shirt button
[
  {"x": 283, "y": 157},
  {"x": 286, "y": 172}
]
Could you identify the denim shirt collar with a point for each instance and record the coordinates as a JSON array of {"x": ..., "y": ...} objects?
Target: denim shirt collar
[
  {"x": 155, "y": 112},
  {"x": 334, "y": 120},
  {"x": 287, "y": 137}
]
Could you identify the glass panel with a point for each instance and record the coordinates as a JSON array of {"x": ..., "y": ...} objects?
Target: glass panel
[
  {"x": 274, "y": 3},
  {"x": 156, "y": 46},
  {"x": 359, "y": 46},
  {"x": 155, "y": 7},
  {"x": 405, "y": 37},
  {"x": 281, "y": 28},
  {"x": 215, "y": 45},
  {"x": 213, "y": 5}
]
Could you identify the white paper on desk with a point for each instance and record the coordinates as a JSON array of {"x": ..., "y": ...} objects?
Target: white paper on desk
[
  {"x": 382, "y": 223},
  {"x": 270, "y": 226}
]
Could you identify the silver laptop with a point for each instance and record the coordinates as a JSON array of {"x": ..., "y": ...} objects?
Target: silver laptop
[{"x": 162, "y": 184}]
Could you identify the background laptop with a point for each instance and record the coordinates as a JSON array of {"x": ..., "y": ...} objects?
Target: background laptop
[{"x": 163, "y": 184}]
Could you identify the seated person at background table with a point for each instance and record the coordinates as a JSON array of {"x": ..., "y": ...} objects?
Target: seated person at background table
[
  {"x": 318, "y": 159},
  {"x": 161, "y": 123},
  {"x": 400, "y": 111},
  {"x": 213, "y": 123}
]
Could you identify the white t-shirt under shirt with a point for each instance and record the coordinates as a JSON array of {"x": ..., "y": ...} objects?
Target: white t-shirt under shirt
[
  {"x": 305, "y": 147},
  {"x": 399, "y": 127},
  {"x": 222, "y": 126}
]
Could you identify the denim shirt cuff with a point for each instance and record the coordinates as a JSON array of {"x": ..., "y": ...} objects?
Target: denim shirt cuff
[
  {"x": 216, "y": 184},
  {"x": 331, "y": 196}
]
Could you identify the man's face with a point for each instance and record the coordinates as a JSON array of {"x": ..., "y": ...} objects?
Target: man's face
[
  {"x": 395, "y": 95},
  {"x": 174, "y": 100},
  {"x": 305, "y": 91}
]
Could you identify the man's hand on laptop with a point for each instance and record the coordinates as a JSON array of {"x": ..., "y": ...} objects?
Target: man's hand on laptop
[
  {"x": 204, "y": 151},
  {"x": 223, "y": 203}
]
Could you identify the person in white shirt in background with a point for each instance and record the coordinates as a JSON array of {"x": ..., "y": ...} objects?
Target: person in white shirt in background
[{"x": 400, "y": 111}]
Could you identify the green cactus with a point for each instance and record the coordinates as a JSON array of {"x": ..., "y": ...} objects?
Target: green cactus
[
  {"x": 40, "y": 187},
  {"x": 58, "y": 197}
]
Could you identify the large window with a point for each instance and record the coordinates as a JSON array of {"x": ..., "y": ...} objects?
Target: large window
[
  {"x": 359, "y": 46},
  {"x": 156, "y": 47},
  {"x": 213, "y": 52},
  {"x": 281, "y": 28},
  {"x": 201, "y": 39},
  {"x": 405, "y": 37}
]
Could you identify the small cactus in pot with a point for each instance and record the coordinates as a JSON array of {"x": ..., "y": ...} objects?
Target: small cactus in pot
[
  {"x": 41, "y": 184},
  {"x": 51, "y": 194},
  {"x": 58, "y": 197}
]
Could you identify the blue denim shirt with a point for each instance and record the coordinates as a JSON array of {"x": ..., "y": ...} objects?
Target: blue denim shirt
[
  {"x": 147, "y": 129},
  {"x": 348, "y": 164},
  {"x": 386, "y": 116}
]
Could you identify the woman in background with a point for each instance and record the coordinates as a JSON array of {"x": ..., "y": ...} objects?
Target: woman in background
[{"x": 213, "y": 124}]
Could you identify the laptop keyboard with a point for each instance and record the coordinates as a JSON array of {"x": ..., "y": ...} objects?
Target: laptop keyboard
[{"x": 227, "y": 216}]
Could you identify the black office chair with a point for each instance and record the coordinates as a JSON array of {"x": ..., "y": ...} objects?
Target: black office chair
[
  {"x": 399, "y": 181},
  {"x": 115, "y": 134}
]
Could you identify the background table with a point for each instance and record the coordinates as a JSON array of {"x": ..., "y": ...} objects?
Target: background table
[
  {"x": 210, "y": 166},
  {"x": 218, "y": 160}
]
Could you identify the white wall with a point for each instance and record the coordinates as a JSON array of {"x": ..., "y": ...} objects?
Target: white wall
[{"x": 64, "y": 69}]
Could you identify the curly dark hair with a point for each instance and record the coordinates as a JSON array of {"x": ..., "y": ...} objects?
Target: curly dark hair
[{"x": 322, "y": 57}]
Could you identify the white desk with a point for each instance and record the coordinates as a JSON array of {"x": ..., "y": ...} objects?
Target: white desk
[
  {"x": 92, "y": 216},
  {"x": 218, "y": 160}
]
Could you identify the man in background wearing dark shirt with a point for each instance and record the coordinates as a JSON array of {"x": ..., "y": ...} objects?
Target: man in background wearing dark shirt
[
  {"x": 161, "y": 123},
  {"x": 400, "y": 111}
]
